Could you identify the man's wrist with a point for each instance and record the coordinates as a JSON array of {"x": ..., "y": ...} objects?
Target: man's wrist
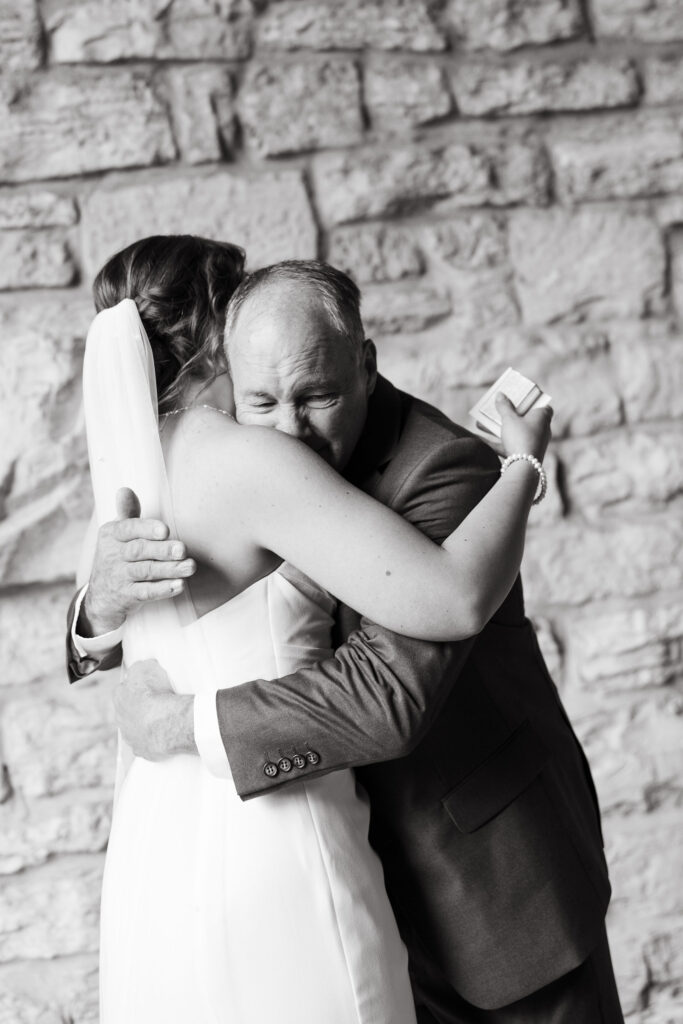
[{"x": 93, "y": 622}]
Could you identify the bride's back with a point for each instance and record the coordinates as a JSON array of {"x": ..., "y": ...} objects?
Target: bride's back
[{"x": 185, "y": 438}]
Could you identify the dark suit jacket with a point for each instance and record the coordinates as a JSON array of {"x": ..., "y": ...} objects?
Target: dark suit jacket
[{"x": 483, "y": 808}]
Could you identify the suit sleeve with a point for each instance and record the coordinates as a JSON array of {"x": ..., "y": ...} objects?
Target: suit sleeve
[
  {"x": 77, "y": 665},
  {"x": 375, "y": 699}
]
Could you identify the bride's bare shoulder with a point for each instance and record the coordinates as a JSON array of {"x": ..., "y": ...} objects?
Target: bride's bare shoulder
[{"x": 207, "y": 448}]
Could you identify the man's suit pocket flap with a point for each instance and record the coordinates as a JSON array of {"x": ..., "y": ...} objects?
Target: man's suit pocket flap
[{"x": 497, "y": 781}]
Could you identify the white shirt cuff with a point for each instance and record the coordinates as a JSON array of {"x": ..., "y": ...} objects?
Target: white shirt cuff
[
  {"x": 207, "y": 736},
  {"x": 93, "y": 646}
]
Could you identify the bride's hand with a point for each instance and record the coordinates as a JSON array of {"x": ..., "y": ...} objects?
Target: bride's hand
[{"x": 529, "y": 433}]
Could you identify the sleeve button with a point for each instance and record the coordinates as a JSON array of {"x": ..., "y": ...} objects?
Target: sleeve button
[
  {"x": 312, "y": 757},
  {"x": 270, "y": 769},
  {"x": 284, "y": 764},
  {"x": 299, "y": 761}
]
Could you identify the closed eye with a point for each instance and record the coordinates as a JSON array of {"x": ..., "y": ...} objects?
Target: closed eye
[{"x": 321, "y": 399}]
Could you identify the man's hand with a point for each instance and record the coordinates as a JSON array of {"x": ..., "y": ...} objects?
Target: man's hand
[
  {"x": 134, "y": 562},
  {"x": 155, "y": 722}
]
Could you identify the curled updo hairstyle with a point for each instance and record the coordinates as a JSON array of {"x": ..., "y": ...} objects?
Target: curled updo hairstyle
[{"x": 181, "y": 286}]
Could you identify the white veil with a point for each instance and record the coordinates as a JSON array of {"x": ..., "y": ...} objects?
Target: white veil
[{"x": 122, "y": 425}]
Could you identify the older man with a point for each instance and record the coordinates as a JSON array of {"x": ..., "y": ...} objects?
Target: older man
[{"x": 483, "y": 807}]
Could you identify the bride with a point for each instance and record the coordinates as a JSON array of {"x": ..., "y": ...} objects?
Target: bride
[{"x": 216, "y": 911}]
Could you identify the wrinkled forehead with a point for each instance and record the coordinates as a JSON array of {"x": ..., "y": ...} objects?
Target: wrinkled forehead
[{"x": 285, "y": 328}]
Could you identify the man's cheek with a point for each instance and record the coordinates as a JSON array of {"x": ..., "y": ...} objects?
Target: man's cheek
[{"x": 245, "y": 416}]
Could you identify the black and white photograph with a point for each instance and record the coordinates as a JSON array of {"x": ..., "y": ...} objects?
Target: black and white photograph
[{"x": 341, "y": 511}]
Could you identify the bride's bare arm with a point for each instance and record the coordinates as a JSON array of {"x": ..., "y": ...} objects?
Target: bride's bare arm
[{"x": 249, "y": 489}]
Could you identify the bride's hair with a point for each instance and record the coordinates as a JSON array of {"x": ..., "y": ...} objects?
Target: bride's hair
[{"x": 181, "y": 285}]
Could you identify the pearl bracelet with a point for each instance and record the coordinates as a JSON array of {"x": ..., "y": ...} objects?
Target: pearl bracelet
[{"x": 524, "y": 457}]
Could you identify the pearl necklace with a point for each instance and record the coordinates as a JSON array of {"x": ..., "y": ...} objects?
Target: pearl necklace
[{"x": 186, "y": 408}]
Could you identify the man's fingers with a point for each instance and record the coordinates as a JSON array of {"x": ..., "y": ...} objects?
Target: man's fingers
[
  {"x": 141, "y": 529},
  {"x": 143, "y": 592},
  {"x": 150, "y": 570},
  {"x": 140, "y": 550},
  {"x": 127, "y": 504}
]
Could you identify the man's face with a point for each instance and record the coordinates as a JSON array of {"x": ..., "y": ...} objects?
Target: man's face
[{"x": 294, "y": 371}]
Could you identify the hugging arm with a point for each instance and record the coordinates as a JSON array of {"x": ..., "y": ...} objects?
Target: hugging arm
[
  {"x": 377, "y": 697},
  {"x": 275, "y": 495}
]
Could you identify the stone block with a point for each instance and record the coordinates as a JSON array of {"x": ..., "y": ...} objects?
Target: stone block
[
  {"x": 43, "y": 209},
  {"x": 51, "y": 911},
  {"x": 470, "y": 241},
  {"x": 663, "y": 78},
  {"x": 51, "y": 827},
  {"x": 61, "y": 124},
  {"x": 664, "y": 953},
  {"x": 646, "y": 865},
  {"x": 269, "y": 214},
  {"x": 634, "y": 749},
  {"x": 42, "y": 615},
  {"x": 102, "y": 31},
  {"x": 392, "y": 308},
  {"x": 668, "y": 210},
  {"x": 596, "y": 263},
  {"x": 630, "y": 648},
  {"x": 54, "y": 745},
  {"x": 40, "y": 391},
  {"x": 484, "y": 300},
  {"x": 466, "y": 257},
  {"x": 457, "y": 350},
  {"x": 529, "y": 87},
  {"x": 651, "y": 21},
  {"x": 20, "y": 35},
  {"x": 375, "y": 252},
  {"x": 520, "y": 174},
  {"x": 626, "y": 471},
  {"x": 451, "y": 365},
  {"x": 664, "y": 1007},
  {"x": 63, "y": 989},
  {"x": 35, "y": 259},
  {"x": 505, "y": 24},
  {"x": 648, "y": 361},
  {"x": 585, "y": 396},
  {"x": 378, "y": 182},
  {"x": 25, "y": 1008},
  {"x": 325, "y": 95},
  {"x": 620, "y": 158},
  {"x": 573, "y": 563},
  {"x": 350, "y": 25},
  {"x": 42, "y": 465},
  {"x": 197, "y": 95},
  {"x": 626, "y": 941},
  {"x": 402, "y": 91},
  {"x": 42, "y": 542}
]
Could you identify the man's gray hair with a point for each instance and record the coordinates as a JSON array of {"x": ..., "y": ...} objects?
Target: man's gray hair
[{"x": 338, "y": 294}]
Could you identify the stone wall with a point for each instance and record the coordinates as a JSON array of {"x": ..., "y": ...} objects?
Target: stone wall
[{"x": 504, "y": 180}]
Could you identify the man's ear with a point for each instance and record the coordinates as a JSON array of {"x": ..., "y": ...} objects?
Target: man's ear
[{"x": 370, "y": 364}]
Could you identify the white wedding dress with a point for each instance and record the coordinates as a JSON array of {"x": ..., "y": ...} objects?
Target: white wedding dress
[{"x": 215, "y": 910}]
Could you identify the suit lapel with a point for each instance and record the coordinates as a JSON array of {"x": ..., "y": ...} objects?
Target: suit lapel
[{"x": 379, "y": 440}]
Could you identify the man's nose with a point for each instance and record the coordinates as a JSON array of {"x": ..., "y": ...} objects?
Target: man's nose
[{"x": 293, "y": 421}]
